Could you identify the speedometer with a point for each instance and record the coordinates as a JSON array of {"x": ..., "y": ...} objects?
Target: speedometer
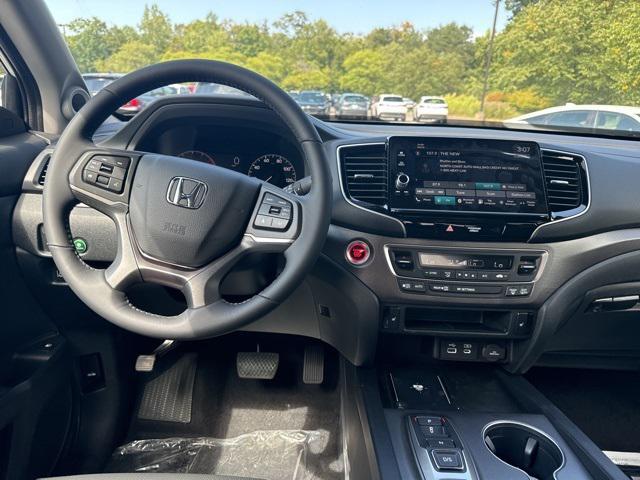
[
  {"x": 198, "y": 155},
  {"x": 274, "y": 169}
]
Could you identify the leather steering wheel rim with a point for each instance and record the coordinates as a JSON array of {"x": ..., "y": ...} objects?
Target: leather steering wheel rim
[{"x": 103, "y": 290}]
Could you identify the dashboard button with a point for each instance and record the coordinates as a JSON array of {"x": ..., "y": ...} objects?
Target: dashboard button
[
  {"x": 424, "y": 420},
  {"x": 432, "y": 273},
  {"x": 477, "y": 289},
  {"x": 439, "y": 288},
  {"x": 447, "y": 459},
  {"x": 434, "y": 431},
  {"x": 518, "y": 290},
  {"x": 441, "y": 443},
  {"x": 411, "y": 286}
]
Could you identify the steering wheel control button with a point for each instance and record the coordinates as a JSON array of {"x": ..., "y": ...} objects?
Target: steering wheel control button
[
  {"x": 115, "y": 185},
  {"x": 80, "y": 245},
  {"x": 447, "y": 459},
  {"x": 106, "y": 171},
  {"x": 90, "y": 176},
  {"x": 358, "y": 253},
  {"x": 275, "y": 213}
]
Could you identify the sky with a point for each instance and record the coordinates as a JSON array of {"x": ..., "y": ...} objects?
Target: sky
[{"x": 356, "y": 16}]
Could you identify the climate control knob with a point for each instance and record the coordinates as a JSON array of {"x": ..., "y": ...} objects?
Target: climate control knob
[{"x": 402, "y": 181}]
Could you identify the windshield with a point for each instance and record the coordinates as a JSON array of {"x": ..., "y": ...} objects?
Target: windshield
[
  {"x": 354, "y": 99},
  {"x": 497, "y": 62},
  {"x": 312, "y": 97},
  {"x": 96, "y": 84}
]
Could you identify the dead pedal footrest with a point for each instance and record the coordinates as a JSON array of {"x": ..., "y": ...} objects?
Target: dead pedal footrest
[{"x": 257, "y": 365}]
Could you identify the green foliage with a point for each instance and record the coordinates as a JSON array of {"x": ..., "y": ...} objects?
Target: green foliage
[
  {"x": 130, "y": 56},
  {"x": 499, "y": 110},
  {"x": 572, "y": 51},
  {"x": 462, "y": 105},
  {"x": 550, "y": 52}
]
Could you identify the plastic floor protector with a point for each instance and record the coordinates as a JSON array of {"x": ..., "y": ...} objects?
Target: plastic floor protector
[{"x": 263, "y": 454}]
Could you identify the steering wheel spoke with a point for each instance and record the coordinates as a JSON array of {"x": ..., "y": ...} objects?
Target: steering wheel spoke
[{"x": 102, "y": 179}]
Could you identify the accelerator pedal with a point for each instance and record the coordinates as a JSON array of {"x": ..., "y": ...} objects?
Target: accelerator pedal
[
  {"x": 257, "y": 365},
  {"x": 313, "y": 371}
]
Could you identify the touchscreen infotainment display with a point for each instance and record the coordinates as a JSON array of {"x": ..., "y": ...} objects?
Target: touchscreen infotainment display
[{"x": 466, "y": 175}]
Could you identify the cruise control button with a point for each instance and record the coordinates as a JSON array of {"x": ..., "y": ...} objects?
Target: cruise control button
[
  {"x": 447, "y": 459},
  {"x": 89, "y": 176},
  {"x": 262, "y": 221},
  {"x": 119, "y": 173},
  {"x": 280, "y": 223},
  {"x": 115, "y": 185}
]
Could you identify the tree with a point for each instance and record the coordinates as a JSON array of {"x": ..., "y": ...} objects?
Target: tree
[
  {"x": 129, "y": 57},
  {"x": 572, "y": 51},
  {"x": 156, "y": 29},
  {"x": 88, "y": 42}
]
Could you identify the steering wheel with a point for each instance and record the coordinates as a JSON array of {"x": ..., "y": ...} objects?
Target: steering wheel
[{"x": 181, "y": 223}]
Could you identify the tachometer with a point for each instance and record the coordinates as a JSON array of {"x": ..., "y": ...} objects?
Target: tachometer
[
  {"x": 274, "y": 169},
  {"x": 198, "y": 156}
]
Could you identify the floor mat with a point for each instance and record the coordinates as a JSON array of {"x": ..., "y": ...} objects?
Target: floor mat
[
  {"x": 226, "y": 407},
  {"x": 267, "y": 455},
  {"x": 605, "y": 405}
]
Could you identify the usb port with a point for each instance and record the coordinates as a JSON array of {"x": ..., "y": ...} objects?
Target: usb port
[
  {"x": 467, "y": 351},
  {"x": 452, "y": 350}
]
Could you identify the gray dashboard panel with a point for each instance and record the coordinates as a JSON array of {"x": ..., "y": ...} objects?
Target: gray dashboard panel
[{"x": 607, "y": 230}]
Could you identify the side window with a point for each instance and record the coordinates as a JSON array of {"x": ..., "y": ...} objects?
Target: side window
[
  {"x": 574, "y": 118},
  {"x": 539, "y": 119},
  {"x": 617, "y": 121}
]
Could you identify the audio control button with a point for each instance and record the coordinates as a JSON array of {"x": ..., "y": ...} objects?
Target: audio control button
[{"x": 402, "y": 181}]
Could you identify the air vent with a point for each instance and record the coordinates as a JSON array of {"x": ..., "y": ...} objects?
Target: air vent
[
  {"x": 563, "y": 174},
  {"x": 43, "y": 171},
  {"x": 364, "y": 173}
]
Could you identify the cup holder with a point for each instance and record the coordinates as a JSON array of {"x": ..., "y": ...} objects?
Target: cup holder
[{"x": 525, "y": 448}]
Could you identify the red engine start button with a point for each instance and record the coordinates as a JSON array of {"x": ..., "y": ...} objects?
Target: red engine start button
[{"x": 358, "y": 252}]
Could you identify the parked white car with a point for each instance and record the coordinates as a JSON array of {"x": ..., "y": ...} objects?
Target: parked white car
[
  {"x": 431, "y": 109},
  {"x": 607, "y": 117},
  {"x": 389, "y": 107}
]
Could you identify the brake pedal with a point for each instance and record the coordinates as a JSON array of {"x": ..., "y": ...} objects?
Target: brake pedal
[
  {"x": 257, "y": 365},
  {"x": 146, "y": 363},
  {"x": 313, "y": 370}
]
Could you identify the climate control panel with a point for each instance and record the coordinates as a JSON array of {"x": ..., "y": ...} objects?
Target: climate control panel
[{"x": 449, "y": 271}]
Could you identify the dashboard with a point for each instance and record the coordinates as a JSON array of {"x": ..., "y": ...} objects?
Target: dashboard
[
  {"x": 504, "y": 241},
  {"x": 264, "y": 154}
]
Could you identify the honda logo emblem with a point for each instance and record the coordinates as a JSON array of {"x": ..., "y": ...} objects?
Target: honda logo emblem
[{"x": 186, "y": 192}]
